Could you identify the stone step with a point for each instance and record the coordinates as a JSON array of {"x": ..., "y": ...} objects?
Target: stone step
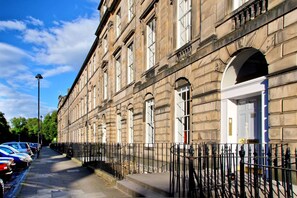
[{"x": 146, "y": 185}]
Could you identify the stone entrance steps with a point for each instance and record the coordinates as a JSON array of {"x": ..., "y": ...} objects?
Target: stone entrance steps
[{"x": 146, "y": 185}]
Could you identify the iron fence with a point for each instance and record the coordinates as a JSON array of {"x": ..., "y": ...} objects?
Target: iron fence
[
  {"x": 199, "y": 170},
  {"x": 120, "y": 159},
  {"x": 233, "y": 170}
]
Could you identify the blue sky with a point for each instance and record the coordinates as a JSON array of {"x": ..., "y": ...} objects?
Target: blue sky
[{"x": 50, "y": 37}]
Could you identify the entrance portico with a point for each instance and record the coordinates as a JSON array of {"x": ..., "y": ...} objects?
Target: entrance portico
[{"x": 244, "y": 99}]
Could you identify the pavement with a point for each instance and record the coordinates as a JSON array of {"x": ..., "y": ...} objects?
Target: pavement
[{"x": 53, "y": 175}]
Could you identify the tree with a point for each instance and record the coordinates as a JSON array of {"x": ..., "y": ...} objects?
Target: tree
[
  {"x": 32, "y": 126},
  {"x": 18, "y": 127},
  {"x": 49, "y": 126},
  {"x": 4, "y": 128}
]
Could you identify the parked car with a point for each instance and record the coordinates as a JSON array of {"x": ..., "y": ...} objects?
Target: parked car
[
  {"x": 1, "y": 188},
  {"x": 12, "y": 162},
  {"x": 23, "y": 147},
  {"x": 10, "y": 150},
  {"x": 6, "y": 168},
  {"x": 20, "y": 160},
  {"x": 35, "y": 147}
]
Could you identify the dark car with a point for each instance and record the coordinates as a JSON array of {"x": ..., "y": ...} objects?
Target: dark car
[
  {"x": 6, "y": 169},
  {"x": 10, "y": 150},
  {"x": 11, "y": 160},
  {"x": 20, "y": 160},
  {"x": 35, "y": 147}
]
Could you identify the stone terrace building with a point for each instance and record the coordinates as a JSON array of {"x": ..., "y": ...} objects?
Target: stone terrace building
[{"x": 187, "y": 71}]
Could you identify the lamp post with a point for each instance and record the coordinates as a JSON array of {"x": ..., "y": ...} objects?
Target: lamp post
[
  {"x": 38, "y": 77},
  {"x": 41, "y": 138}
]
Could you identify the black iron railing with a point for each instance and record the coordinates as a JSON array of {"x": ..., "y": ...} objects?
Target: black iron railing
[
  {"x": 233, "y": 170},
  {"x": 199, "y": 170},
  {"x": 120, "y": 159}
]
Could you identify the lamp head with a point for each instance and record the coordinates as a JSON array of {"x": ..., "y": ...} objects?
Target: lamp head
[{"x": 38, "y": 76}]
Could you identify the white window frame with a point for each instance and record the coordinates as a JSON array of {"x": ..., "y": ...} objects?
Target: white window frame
[
  {"x": 105, "y": 44},
  {"x": 118, "y": 23},
  {"x": 237, "y": 3},
  {"x": 130, "y": 63},
  {"x": 119, "y": 128},
  {"x": 105, "y": 85},
  {"x": 130, "y": 9},
  {"x": 130, "y": 126},
  {"x": 151, "y": 43},
  {"x": 94, "y": 64},
  {"x": 104, "y": 7},
  {"x": 118, "y": 78},
  {"x": 94, "y": 132},
  {"x": 184, "y": 22},
  {"x": 90, "y": 100},
  {"x": 94, "y": 97},
  {"x": 86, "y": 105},
  {"x": 149, "y": 122},
  {"x": 182, "y": 115},
  {"x": 90, "y": 66},
  {"x": 104, "y": 139}
]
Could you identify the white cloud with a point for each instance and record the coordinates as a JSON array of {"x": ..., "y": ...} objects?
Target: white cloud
[
  {"x": 38, "y": 37},
  {"x": 12, "y": 25},
  {"x": 12, "y": 69},
  {"x": 57, "y": 70},
  {"x": 52, "y": 51},
  {"x": 65, "y": 44},
  {"x": 19, "y": 25},
  {"x": 34, "y": 21},
  {"x": 16, "y": 104},
  {"x": 9, "y": 53}
]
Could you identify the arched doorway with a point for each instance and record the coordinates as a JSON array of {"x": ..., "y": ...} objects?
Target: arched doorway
[{"x": 244, "y": 99}]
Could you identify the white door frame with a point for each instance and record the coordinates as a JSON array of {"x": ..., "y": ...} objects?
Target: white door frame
[{"x": 229, "y": 95}]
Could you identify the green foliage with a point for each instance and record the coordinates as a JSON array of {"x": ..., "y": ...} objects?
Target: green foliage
[
  {"x": 32, "y": 126},
  {"x": 49, "y": 126},
  {"x": 4, "y": 128},
  {"x": 18, "y": 125},
  {"x": 27, "y": 129}
]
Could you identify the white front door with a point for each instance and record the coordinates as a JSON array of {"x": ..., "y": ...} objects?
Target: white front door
[{"x": 249, "y": 120}]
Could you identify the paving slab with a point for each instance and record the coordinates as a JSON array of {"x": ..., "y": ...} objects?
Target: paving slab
[{"x": 53, "y": 175}]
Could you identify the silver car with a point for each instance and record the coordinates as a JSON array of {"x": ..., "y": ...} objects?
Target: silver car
[
  {"x": 22, "y": 147},
  {"x": 11, "y": 150}
]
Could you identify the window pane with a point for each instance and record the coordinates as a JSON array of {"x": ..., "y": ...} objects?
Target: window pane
[
  {"x": 238, "y": 3},
  {"x": 184, "y": 22},
  {"x": 151, "y": 30},
  {"x": 149, "y": 121},
  {"x": 131, "y": 9},
  {"x": 118, "y": 73},
  {"x": 182, "y": 113},
  {"x": 130, "y": 64}
]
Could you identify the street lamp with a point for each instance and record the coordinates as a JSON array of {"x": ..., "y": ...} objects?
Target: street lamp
[
  {"x": 39, "y": 77},
  {"x": 41, "y": 130}
]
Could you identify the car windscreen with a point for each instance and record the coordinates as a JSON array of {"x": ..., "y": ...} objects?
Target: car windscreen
[
  {"x": 23, "y": 145},
  {"x": 13, "y": 145},
  {"x": 3, "y": 153},
  {"x": 6, "y": 150}
]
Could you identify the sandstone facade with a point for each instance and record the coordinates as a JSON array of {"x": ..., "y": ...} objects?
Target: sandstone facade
[{"x": 183, "y": 71}]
